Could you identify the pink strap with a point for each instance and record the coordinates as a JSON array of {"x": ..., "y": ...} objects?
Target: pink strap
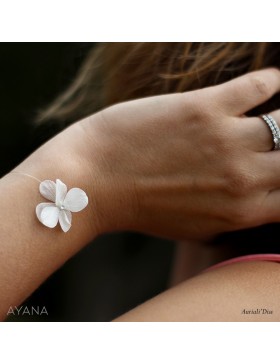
[{"x": 247, "y": 258}]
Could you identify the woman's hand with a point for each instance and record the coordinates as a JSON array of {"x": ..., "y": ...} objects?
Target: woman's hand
[
  {"x": 187, "y": 165},
  {"x": 180, "y": 166}
]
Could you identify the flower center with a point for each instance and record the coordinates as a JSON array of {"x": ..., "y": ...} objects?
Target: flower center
[{"x": 60, "y": 206}]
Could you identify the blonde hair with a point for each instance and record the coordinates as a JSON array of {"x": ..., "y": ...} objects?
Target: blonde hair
[{"x": 116, "y": 72}]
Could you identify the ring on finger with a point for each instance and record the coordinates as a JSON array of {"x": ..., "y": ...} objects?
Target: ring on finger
[{"x": 275, "y": 131}]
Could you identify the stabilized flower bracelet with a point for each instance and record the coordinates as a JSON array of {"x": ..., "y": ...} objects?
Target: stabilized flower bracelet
[{"x": 62, "y": 205}]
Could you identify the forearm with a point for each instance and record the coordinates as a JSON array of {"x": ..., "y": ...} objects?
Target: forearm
[
  {"x": 161, "y": 165},
  {"x": 29, "y": 251}
]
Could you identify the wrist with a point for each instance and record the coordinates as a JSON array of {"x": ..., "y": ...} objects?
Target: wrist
[
  {"x": 30, "y": 251},
  {"x": 86, "y": 155},
  {"x": 63, "y": 157},
  {"x": 112, "y": 191}
]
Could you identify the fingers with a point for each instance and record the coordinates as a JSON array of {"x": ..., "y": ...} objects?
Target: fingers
[
  {"x": 269, "y": 164},
  {"x": 255, "y": 134},
  {"x": 242, "y": 94}
]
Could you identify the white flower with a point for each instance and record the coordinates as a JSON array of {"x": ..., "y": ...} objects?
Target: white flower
[{"x": 63, "y": 203}]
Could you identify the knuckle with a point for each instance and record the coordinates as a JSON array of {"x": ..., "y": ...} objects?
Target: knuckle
[
  {"x": 209, "y": 111},
  {"x": 200, "y": 115},
  {"x": 260, "y": 86},
  {"x": 223, "y": 138},
  {"x": 239, "y": 180}
]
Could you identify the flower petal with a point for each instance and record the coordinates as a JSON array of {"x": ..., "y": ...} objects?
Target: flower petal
[
  {"x": 40, "y": 207},
  {"x": 75, "y": 200},
  {"x": 49, "y": 216},
  {"x": 47, "y": 189},
  {"x": 65, "y": 219},
  {"x": 61, "y": 191}
]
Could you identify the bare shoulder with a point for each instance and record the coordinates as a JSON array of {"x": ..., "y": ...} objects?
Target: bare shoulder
[{"x": 247, "y": 291}]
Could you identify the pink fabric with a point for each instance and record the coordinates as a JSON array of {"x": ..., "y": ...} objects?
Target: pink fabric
[{"x": 248, "y": 258}]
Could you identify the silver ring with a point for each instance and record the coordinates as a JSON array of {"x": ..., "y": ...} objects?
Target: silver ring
[{"x": 275, "y": 131}]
